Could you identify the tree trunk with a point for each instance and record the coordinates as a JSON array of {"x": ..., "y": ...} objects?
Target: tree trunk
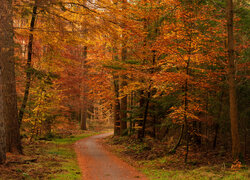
[
  {"x": 123, "y": 112},
  {"x": 185, "y": 118},
  {"x": 2, "y": 123},
  {"x": 145, "y": 115},
  {"x": 179, "y": 140},
  {"x": 124, "y": 102},
  {"x": 28, "y": 65},
  {"x": 13, "y": 141},
  {"x": 217, "y": 125},
  {"x": 154, "y": 127},
  {"x": 4, "y": 9},
  {"x": 232, "y": 84},
  {"x": 216, "y": 135},
  {"x": 117, "y": 119},
  {"x": 186, "y": 89},
  {"x": 140, "y": 122},
  {"x": 83, "y": 123}
]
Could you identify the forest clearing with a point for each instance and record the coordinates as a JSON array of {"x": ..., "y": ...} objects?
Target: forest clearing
[{"x": 124, "y": 89}]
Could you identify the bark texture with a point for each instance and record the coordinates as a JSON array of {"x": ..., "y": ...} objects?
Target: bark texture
[
  {"x": 2, "y": 123},
  {"x": 232, "y": 84},
  {"x": 83, "y": 123},
  {"x": 13, "y": 142},
  {"x": 117, "y": 122},
  {"x": 124, "y": 102}
]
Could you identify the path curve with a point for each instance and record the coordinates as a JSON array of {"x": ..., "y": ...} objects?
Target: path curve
[{"x": 97, "y": 163}]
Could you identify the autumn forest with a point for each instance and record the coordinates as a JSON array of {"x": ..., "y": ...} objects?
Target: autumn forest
[{"x": 168, "y": 78}]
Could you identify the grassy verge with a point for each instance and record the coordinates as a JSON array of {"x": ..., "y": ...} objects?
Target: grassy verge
[
  {"x": 203, "y": 172},
  {"x": 63, "y": 149},
  {"x": 55, "y": 159},
  {"x": 155, "y": 164}
]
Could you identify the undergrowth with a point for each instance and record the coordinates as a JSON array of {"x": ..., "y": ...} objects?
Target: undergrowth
[
  {"x": 54, "y": 159},
  {"x": 152, "y": 158}
]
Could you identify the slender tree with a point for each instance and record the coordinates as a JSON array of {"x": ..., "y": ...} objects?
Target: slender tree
[
  {"x": 28, "y": 65},
  {"x": 124, "y": 102},
  {"x": 116, "y": 105},
  {"x": 83, "y": 114},
  {"x": 2, "y": 123},
  {"x": 231, "y": 82}
]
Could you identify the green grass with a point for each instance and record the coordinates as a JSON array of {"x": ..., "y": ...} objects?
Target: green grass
[
  {"x": 62, "y": 149},
  {"x": 203, "y": 173},
  {"x": 69, "y": 168},
  {"x": 170, "y": 167},
  {"x": 54, "y": 159}
]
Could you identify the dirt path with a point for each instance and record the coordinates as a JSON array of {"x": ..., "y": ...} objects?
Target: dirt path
[{"x": 97, "y": 163}]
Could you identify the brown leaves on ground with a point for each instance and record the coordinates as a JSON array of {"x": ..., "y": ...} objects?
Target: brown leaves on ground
[
  {"x": 40, "y": 159},
  {"x": 155, "y": 153},
  {"x": 35, "y": 164}
]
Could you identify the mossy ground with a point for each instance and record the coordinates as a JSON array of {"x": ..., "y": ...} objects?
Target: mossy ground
[{"x": 204, "y": 173}]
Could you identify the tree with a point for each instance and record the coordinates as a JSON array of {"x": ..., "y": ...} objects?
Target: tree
[
  {"x": 123, "y": 104},
  {"x": 232, "y": 83},
  {"x": 83, "y": 88},
  {"x": 2, "y": 123},
  {"x": 4, "y": 11},
  {"x": 13, "y": 143},
  {"x": 28, "y": 65}
]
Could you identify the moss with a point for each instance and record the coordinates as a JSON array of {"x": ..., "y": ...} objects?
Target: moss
[{"x": 204, "y": 173}]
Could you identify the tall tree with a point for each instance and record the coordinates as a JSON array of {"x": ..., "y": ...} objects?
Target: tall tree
[
  {"x": 3, "y": 20},
  {"x": 10, "y": 116},
  {"x": 2, "y": 123},
  {"x": 231, "y": 82},
  {"x": 123, "y": 103},
  {"x": 28, "y": 65},
  {"x": 83, "y": 108}
]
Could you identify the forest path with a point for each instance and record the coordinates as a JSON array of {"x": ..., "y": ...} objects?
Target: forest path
[{"x": 97, "y": 163}]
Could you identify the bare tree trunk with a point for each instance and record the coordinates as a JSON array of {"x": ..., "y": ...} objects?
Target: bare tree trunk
[
  {"x": 140, "y": 122},
  {"x": 185, "y": 118},
  {"x": 117, "y": 118},
  {"x": 124, "y": 102},
  {"x": 179, "y": 140},
  {"x": 217, "y": 125},
  {"x": 83, "y": 122},
  {"x": 83, "y": 99},
  {"x": 123, "y": 112},
  {"x": 232, "y": 84},
  {"x": 13, "y": 141},
  {"x": 145, "y": 115},
  {"x": 2, "y": 123},
  {"x": 28, "y": 65},
  {"x": 4, "y": 8}
]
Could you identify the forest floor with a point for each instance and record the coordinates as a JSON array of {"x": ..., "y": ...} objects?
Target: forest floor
[
  {"x": 46, "y": 159},
  {"x": 56, "y": 159},
  {"x": 150, "y": 158}
]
